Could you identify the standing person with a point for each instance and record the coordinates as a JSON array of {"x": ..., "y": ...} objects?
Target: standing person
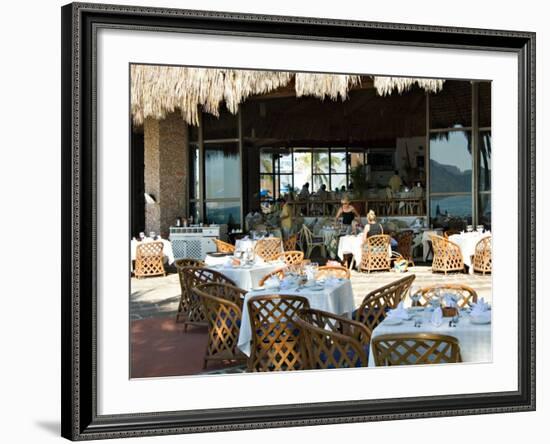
[
  {"x": 286, "y": 218},
  {"x": 372, "y": 228},
  {"x": 348, "y": 214},
  {"x": 395, "y": 182}
]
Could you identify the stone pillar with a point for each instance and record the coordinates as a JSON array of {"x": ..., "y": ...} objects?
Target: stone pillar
[{"x": 166, "y": 161}]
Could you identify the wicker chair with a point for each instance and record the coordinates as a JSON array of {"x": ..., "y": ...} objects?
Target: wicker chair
[
  {"x": 280, "y": 273},
  {"x": 468, "y": 295},
  {"x": 376, "y": 253},
  {"x": 290, "y": 243},
  {"x": 483, "y": 257},
  {"x": 190, "y": 309},
  {"x": 268, "y": 248},
  {"x": 447, "y": 255},
  {"x": 375, "y": 305},
  {"x": 331, "y": 341},
  {"x": 404, "y": 245},
  {"x": 291, "y": 257},
  {"x": 223, "y": 247},
  {"x": 333, "y": 271},
  {"x": 276, "y": 341},
  {"x": 415, "y": 348},
  {"x": 149, "y": 260},
  {"x": 309, "y": 243},
  {"x": 188, "y": 262},
  {"x": 223, "y": 308}
]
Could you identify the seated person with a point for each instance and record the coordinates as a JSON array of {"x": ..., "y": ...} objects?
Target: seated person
[
  {"x": 395, "y": 182},
  {"x": 304, "y": 192}
]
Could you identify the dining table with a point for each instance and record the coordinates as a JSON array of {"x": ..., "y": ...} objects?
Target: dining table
[
  {"x": 474, "y": 339},
  {"x": 334, "y": 297},
  {"x": 467, "y": 242},
  {"x": 246, "y": 276}
]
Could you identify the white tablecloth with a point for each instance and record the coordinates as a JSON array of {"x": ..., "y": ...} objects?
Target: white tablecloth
[
  {"x": 337, "y": 299},
  {"x": 351, "y": 244},
  {"x": 425, "y": 238},
  {"x": 247, "y": 277},
  {"x": 166, "y": 250},
  {"x": 467, "y": 243},
  {"x": 211, "y": 261},
  {"x": 474, "y": 339}
]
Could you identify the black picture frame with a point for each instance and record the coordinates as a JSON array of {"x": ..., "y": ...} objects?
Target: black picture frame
[{"x": 79, "y": 170}]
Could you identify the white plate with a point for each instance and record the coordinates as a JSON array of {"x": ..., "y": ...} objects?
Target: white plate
[{"x": 480, "y": 320}]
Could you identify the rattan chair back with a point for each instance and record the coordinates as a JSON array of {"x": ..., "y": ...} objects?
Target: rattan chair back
[
  {"x": 276, "y": 341},
  {"x": 333, "y": 271},
  {"x": 291, "y": 257},
  {"x": 331, "y": 341},
  {"x": 404, "y": 245},
  {"x": 188, "y": 262},
  {"x": 223, "y": 247},
  {"x": 223, "y": 311},
  {"x": 447, "y": 255},
  {"x": 290, "y": 243},
  {"x": 376, "y": 304},
  {"x": 483, "y": 257},
  {"x": 149, "y": 260},
  {"x": 190, "y": 309},
  {"x": 376, "y": 253},
  {"x": 415, "y": 348},
  {"x": 467, "y": 295},
  {"x": 268, "y": 248}
]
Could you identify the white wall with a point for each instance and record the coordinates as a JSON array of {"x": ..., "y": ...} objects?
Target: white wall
[{"x": 30, "y": 231}]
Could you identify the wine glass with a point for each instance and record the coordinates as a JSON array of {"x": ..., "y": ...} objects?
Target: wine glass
[{"x": 415, "y": 295}]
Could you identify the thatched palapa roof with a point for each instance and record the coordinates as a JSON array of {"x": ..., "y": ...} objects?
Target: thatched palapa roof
[{"x": 159, "y": 90}]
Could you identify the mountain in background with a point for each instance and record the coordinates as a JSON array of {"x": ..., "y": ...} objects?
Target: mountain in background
[{"x": 448, "y": 178}]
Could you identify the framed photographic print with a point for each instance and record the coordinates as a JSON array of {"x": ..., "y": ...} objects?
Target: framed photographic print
[{"x": 277, "y": 221}]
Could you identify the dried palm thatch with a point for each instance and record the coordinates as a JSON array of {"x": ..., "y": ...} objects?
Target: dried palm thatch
[{"x": 159, "y": 90}]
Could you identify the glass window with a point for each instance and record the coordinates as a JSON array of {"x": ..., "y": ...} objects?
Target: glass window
[
  {"x": 194, "y": 212},
  {"x": 302, "y": 168},
  {"x": 320, "y": 161},
  {"x": 266, "y": 162},
  {"x": 222, "y": 166},
  {"x": 223, "y": 127},
  {"x": 224, "y": 213},
  {"x": 285, "y": 162},
  {"x": 356, "y": 159},
  {"x": 266, "y": 186},
  {"x": 381, "y": 160},
  {"x": 484, "y": 104},
  {"x": 285, "y": 184},
  {"x": 452, "y": 106},
  {"x": 451, "y": 162},
  {"x": 451, "y": 211},
  {"x": 318, "y": 180},
  {"x": 194, "y": 169},
  {"x": 338, "y": 161},
  {"x": 338, "y": 181},
  {"x": 485, "y": 210},
  {"x": 485, "y": 160}
]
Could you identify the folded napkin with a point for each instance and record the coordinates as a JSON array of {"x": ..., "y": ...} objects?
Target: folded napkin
[
  {"x": 450, "y": 300},
  {"x": 399, "y": 313},
  {"x": 272, "y": 282},
  {"x": 479, "y": 308},
  {"x": 437, "y": 317}
]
